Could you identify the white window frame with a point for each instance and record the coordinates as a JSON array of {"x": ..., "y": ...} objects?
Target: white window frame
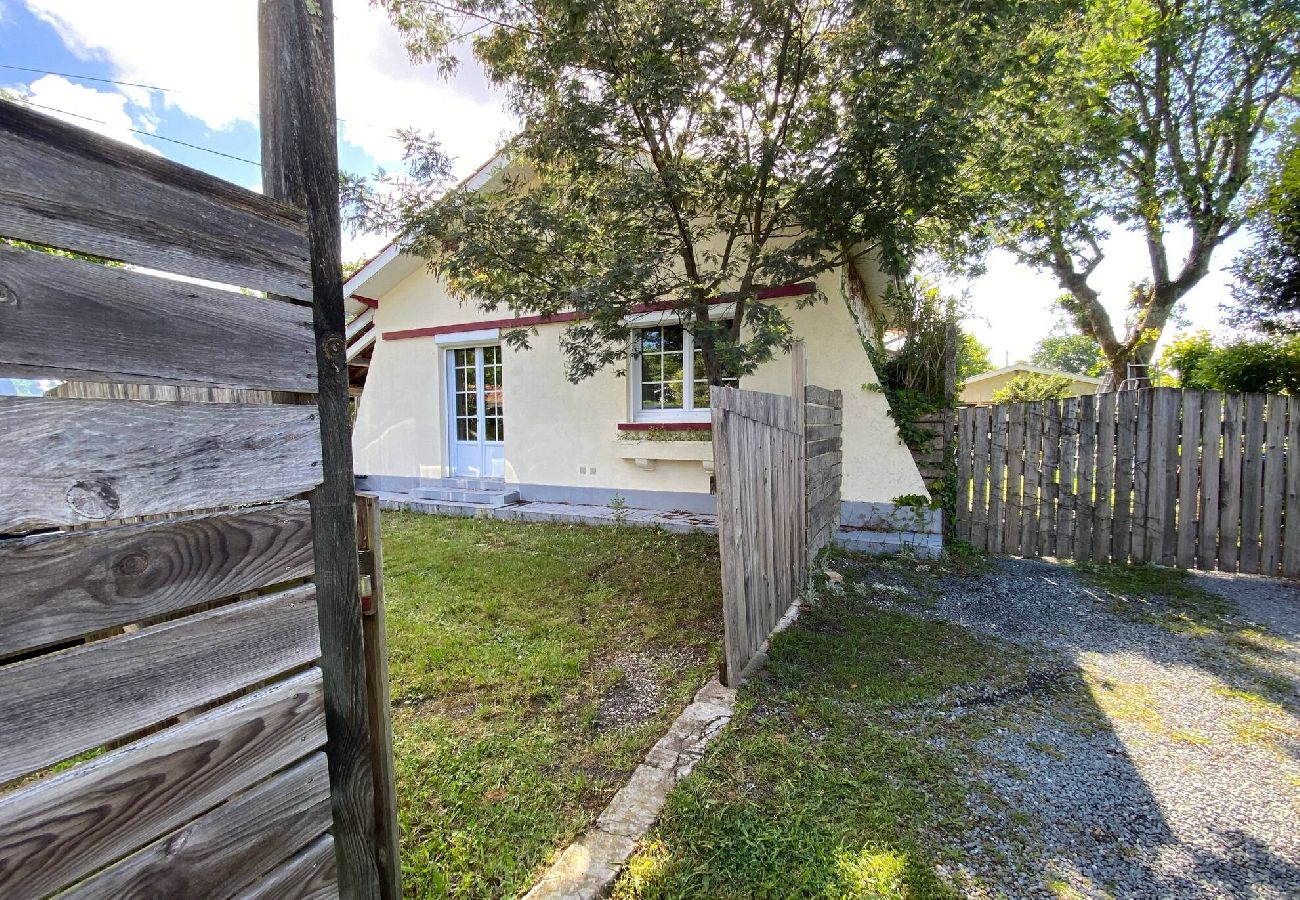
[{"x": 688, "y": 412}]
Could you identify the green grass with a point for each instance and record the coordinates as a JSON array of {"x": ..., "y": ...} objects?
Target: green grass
[
  {"x": 502, "y": 642},
  {"x": 1163, "y": 596},
  {"x": 842, "y": 774}
]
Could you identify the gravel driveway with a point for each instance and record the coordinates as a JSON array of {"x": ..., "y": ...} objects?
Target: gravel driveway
[{"x": 1154, "y": 752}]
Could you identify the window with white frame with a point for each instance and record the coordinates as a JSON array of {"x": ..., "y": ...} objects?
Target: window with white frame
[{"x": 668, "y": 377}]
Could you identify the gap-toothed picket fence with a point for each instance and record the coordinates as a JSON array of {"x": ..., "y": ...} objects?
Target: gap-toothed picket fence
[
  {"x": 182, "y": 665},
  {"x": 777, "y": 464},
  {"x": 1196, "y": 479}
]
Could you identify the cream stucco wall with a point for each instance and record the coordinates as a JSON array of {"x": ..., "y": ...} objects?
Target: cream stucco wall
[
  {"x": 982, "y": 391},
  {"x": 554, "y": 430}
]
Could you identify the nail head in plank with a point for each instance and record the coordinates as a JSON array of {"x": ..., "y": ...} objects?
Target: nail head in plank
[
  {"x": 65, "y": 827},
  {"x": 69, "y": 462}
]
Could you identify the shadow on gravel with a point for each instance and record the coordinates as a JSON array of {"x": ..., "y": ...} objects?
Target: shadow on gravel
[{"x": 1064, "y": 783}]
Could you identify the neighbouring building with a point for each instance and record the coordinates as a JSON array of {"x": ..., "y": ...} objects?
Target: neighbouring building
[
  {"x": 449, "y": 412},
  {"x": 981, "y": 388}
]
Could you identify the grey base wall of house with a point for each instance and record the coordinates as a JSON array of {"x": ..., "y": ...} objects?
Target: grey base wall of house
[
  {"x": 919, "y": 524},
  {"x": 666, "y": 501},
  {"x": 890, "y": 517}
]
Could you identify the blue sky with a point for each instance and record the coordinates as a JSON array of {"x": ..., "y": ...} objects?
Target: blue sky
[
  {"x": 198, "y": 63},
  {"x": 204, "y": 58}
]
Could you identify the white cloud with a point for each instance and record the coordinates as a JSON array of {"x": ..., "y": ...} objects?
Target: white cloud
[
  {"x": 206, "y": 54},
  {"x": 101, "y": 111}
]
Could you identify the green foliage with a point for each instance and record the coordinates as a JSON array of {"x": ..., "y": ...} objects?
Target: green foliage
[
  {"x": 1029, "y": 387},
  {"x": 1266, "y": 366},
  {"x": 1247, "y": 365},
  {"x": 674, "y": 151},
  {"x": 1150, "y": 115},
  {"x": 1183, "y": 356},
  {"x": 972, "y": 357},
  {"x": 667, "y": 435},
  {"x": 1077, "y": 353},
  {"x": 1267, "y": 292}
]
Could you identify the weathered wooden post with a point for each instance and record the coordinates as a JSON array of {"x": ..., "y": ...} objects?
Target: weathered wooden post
[{"x": 300, "y": 167}]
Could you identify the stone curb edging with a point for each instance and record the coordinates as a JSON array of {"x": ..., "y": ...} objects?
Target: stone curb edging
[{"x": 587, "y": 868}]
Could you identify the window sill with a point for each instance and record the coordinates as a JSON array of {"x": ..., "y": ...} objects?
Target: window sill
[{"x": 652, "y": 425}]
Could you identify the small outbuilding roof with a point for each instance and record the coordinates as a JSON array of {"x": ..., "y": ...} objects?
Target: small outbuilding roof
[{"x": 1027, "y": 367}]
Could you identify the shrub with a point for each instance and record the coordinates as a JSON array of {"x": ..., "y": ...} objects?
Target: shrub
[{"x": 1032, "y": 386}]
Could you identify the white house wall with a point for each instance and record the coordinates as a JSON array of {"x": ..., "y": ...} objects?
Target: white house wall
[{"x": 555, "y": 430}]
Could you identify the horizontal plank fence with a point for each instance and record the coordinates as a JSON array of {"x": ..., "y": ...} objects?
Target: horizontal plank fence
[
  {"x": 1194, "y": 479},
  {"x": 182, "y": 649},
  {"x": 777, "y": 462}
]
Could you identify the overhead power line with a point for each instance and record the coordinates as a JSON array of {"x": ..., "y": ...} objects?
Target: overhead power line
[
  {"x": 139, "y": 131},
  {"x": 148, "y": 87}
]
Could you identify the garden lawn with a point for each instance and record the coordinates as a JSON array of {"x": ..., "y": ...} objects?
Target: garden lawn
[{"x": 532, "y": 667}]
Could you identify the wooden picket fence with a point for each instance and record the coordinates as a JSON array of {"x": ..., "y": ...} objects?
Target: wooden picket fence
[
  {"x": 1195, "y": 479},
  {"x": 777, "y": 462},
  {"x": 182, "y": 652}
]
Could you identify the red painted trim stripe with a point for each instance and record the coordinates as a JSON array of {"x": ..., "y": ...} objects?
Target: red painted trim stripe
[
  {"x": 665, "y": 426},
  {"x": 460, "y": 327},
  {"x": 787, "y": 290},
  {"x": 372, "y": 303}
]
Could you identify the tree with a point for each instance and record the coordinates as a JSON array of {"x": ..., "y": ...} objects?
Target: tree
[
  {"x": 1149, "y": 114},
  {"x": 972, "y": 357},
  {"x": 1029, "y": 387},
  {"x": 675, "y": 151},
  {"x": 1267, "y": 292},
  {"x": 1070, "y": 352}
]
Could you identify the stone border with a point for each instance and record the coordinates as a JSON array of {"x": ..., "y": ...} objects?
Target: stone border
[{"x": 588, "y": 867}]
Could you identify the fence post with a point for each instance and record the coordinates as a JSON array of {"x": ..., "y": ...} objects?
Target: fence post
[
  {"x": 374, "y": 626},
  {"x": 300, "y": 167}
]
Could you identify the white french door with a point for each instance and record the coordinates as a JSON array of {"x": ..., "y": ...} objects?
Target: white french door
[{"x": 477, "y": 412}]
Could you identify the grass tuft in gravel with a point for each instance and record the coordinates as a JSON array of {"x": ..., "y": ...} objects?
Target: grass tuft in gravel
[
  {"x": 532, "y": 667},
  {"x": 1170, "y": 598}
]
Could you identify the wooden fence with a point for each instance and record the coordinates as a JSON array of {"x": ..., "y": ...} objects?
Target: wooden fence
[
  {"x": 777, "y": 464},
  {"x": 823, "y": 419},
  {"x": 181, "y": 640},
  {"x": 1196, "y": 479}
]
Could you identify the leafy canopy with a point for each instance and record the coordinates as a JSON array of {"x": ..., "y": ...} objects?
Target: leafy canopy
[
  {"x": 973, "y": 357},
  {"x": 1146, "y": 114},
  {"x": 1267, "y": 292},
  {"x": 673, "y": 151},
  {"x": 1070, "y": 352}
]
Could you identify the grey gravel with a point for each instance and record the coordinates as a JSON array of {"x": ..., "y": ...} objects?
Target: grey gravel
[
  {"x": 641, "y": 690},
  {"x": 1137, "y": 759}
]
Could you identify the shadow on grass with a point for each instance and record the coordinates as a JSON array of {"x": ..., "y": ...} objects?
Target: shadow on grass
[{"x": 884, "y": 754}]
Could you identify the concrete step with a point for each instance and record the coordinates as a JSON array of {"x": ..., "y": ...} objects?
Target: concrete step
[
  {"x": 464, "y": 484},
  {"x": 878, "y": 543},
  {"x": 480, "y": 497}
]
